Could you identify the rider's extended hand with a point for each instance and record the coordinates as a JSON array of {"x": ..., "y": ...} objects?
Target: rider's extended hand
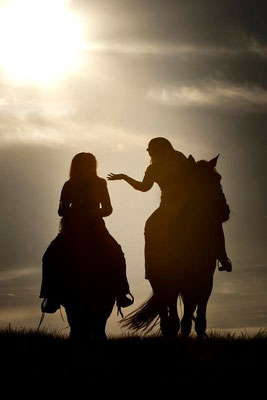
[{"x": 115, "y": 177}]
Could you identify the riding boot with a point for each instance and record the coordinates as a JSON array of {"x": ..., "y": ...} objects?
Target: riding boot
[
  {"x": 124, "y": 301},
  {"x": 226, "y": 264},
  {"x": 222, "y": 257}
]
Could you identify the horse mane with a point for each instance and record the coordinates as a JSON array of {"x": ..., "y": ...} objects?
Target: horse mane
[{"x": 207, "y": 190}]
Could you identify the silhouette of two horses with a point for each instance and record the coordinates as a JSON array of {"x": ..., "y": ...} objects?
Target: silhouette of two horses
[
  {"x": 84, "y": 267},
  {"x": 185, "y": 258}
]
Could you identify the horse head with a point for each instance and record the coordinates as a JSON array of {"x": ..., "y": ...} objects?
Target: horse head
[{"x": 207, "y": 190}]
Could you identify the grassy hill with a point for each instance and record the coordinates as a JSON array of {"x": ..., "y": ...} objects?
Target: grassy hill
[{"x": 218, "y": 361}]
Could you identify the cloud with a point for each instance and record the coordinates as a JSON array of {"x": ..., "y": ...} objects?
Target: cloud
[
  {"x": 212, "y": 94},
  {"x": 19, "y": 294},
  {"x": 17, "y": 314},
  {"x": 153, "y": 48},
  {"x": 31, "y": 120},
  {"x": 10, "y": 275},
  {"x": 255, "y": 47},
  {"x": 59, "y": 123},
  {"x": 209, "y": 23},
  {"x": 137, "y": 48},
  {"x": 66, "y": 134}
]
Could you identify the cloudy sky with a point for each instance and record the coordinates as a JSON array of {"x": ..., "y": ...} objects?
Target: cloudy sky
[{"x": 106, "y": 77}]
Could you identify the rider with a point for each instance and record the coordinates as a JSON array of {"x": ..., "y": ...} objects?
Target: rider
[
  {"x": 168, "y": 169},
  {"x": 84, "y": 202}
]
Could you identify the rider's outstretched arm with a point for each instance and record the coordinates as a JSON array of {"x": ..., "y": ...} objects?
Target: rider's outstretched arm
[
  {"x": 144, "y": 185},
  {"x": 106, "y": 207}
]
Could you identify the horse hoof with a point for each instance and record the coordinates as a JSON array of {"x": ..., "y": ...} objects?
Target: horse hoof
[
  {"x": 200, "y": 326},
  {"x": 170, "y": 330},
  {"x": 186, "y": 326}
]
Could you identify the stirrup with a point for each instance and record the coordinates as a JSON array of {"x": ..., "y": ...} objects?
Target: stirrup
[
  {"x": 44, "y": 302},
  {"x": 49, "y": 306},
  {"x": 125, "y": 303},
  {"x": 225, "y": 267}
]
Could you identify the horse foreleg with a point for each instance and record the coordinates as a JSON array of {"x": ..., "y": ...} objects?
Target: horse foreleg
[
  {"x": 99, "y": 333},
  {"x": 174, "y": 320},
  {"x": 201, "y": 321},
  {"x": 102, "y": 312}
]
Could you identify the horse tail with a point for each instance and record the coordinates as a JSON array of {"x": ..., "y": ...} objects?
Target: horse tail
[{"x": 144, "y": 317}]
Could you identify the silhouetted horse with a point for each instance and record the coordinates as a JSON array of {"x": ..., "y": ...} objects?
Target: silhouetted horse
[
  {"x": 185, "y": 253},
  {"x": 80, "y": 272}
]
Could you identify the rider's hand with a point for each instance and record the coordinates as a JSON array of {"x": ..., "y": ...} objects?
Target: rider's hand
[{"x": 115, "y": 177}]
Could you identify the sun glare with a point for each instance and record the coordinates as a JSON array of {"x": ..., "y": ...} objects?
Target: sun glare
[{"x": 40, "y": 40}]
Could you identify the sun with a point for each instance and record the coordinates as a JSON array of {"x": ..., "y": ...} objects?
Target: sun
[{"x": 40, "y": 40}]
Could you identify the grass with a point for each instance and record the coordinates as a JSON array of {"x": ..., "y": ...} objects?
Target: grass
[{"x": 217, "y": 361}]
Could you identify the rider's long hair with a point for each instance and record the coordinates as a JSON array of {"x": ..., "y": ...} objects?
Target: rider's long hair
[
  {"x": 83, "y": 167},
  {"x": 83, "y": 170},
  {"x": 161, "y": 148}
]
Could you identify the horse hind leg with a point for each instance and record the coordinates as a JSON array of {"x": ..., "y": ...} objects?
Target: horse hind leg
[
  {"x": 186, "y": 322},
  {"x": 169, "y": 320},
  {"x": 164, "y": 322}
]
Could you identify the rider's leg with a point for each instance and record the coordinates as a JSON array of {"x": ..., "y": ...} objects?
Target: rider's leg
[
  {"x": 51, "y": 276},
  {"x": 153, "y": 233},
  {"x": 222, "y": 255},
  {"x": 121, "y": 284}
]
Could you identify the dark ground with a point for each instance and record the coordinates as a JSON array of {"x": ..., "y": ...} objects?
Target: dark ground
[{"x": 212, "y": 365}]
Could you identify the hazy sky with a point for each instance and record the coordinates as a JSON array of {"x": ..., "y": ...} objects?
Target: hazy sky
[{"x": 106, "y": 77}]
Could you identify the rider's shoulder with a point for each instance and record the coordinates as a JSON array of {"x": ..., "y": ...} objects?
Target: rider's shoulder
[
  {"x": 150, "y": 171},
  {"x": 101, "y": 181},
  {"x": 67, "y": 185}
]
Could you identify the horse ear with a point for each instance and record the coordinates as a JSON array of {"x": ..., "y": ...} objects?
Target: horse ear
[
  {"x": 213, "y": 162},
  {"x": 191, "y": 159}
]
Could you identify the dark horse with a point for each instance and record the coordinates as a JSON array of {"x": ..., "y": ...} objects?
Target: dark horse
[
  {"x": 185, "y": 258},
  {"x": 86, "y": 289}
]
